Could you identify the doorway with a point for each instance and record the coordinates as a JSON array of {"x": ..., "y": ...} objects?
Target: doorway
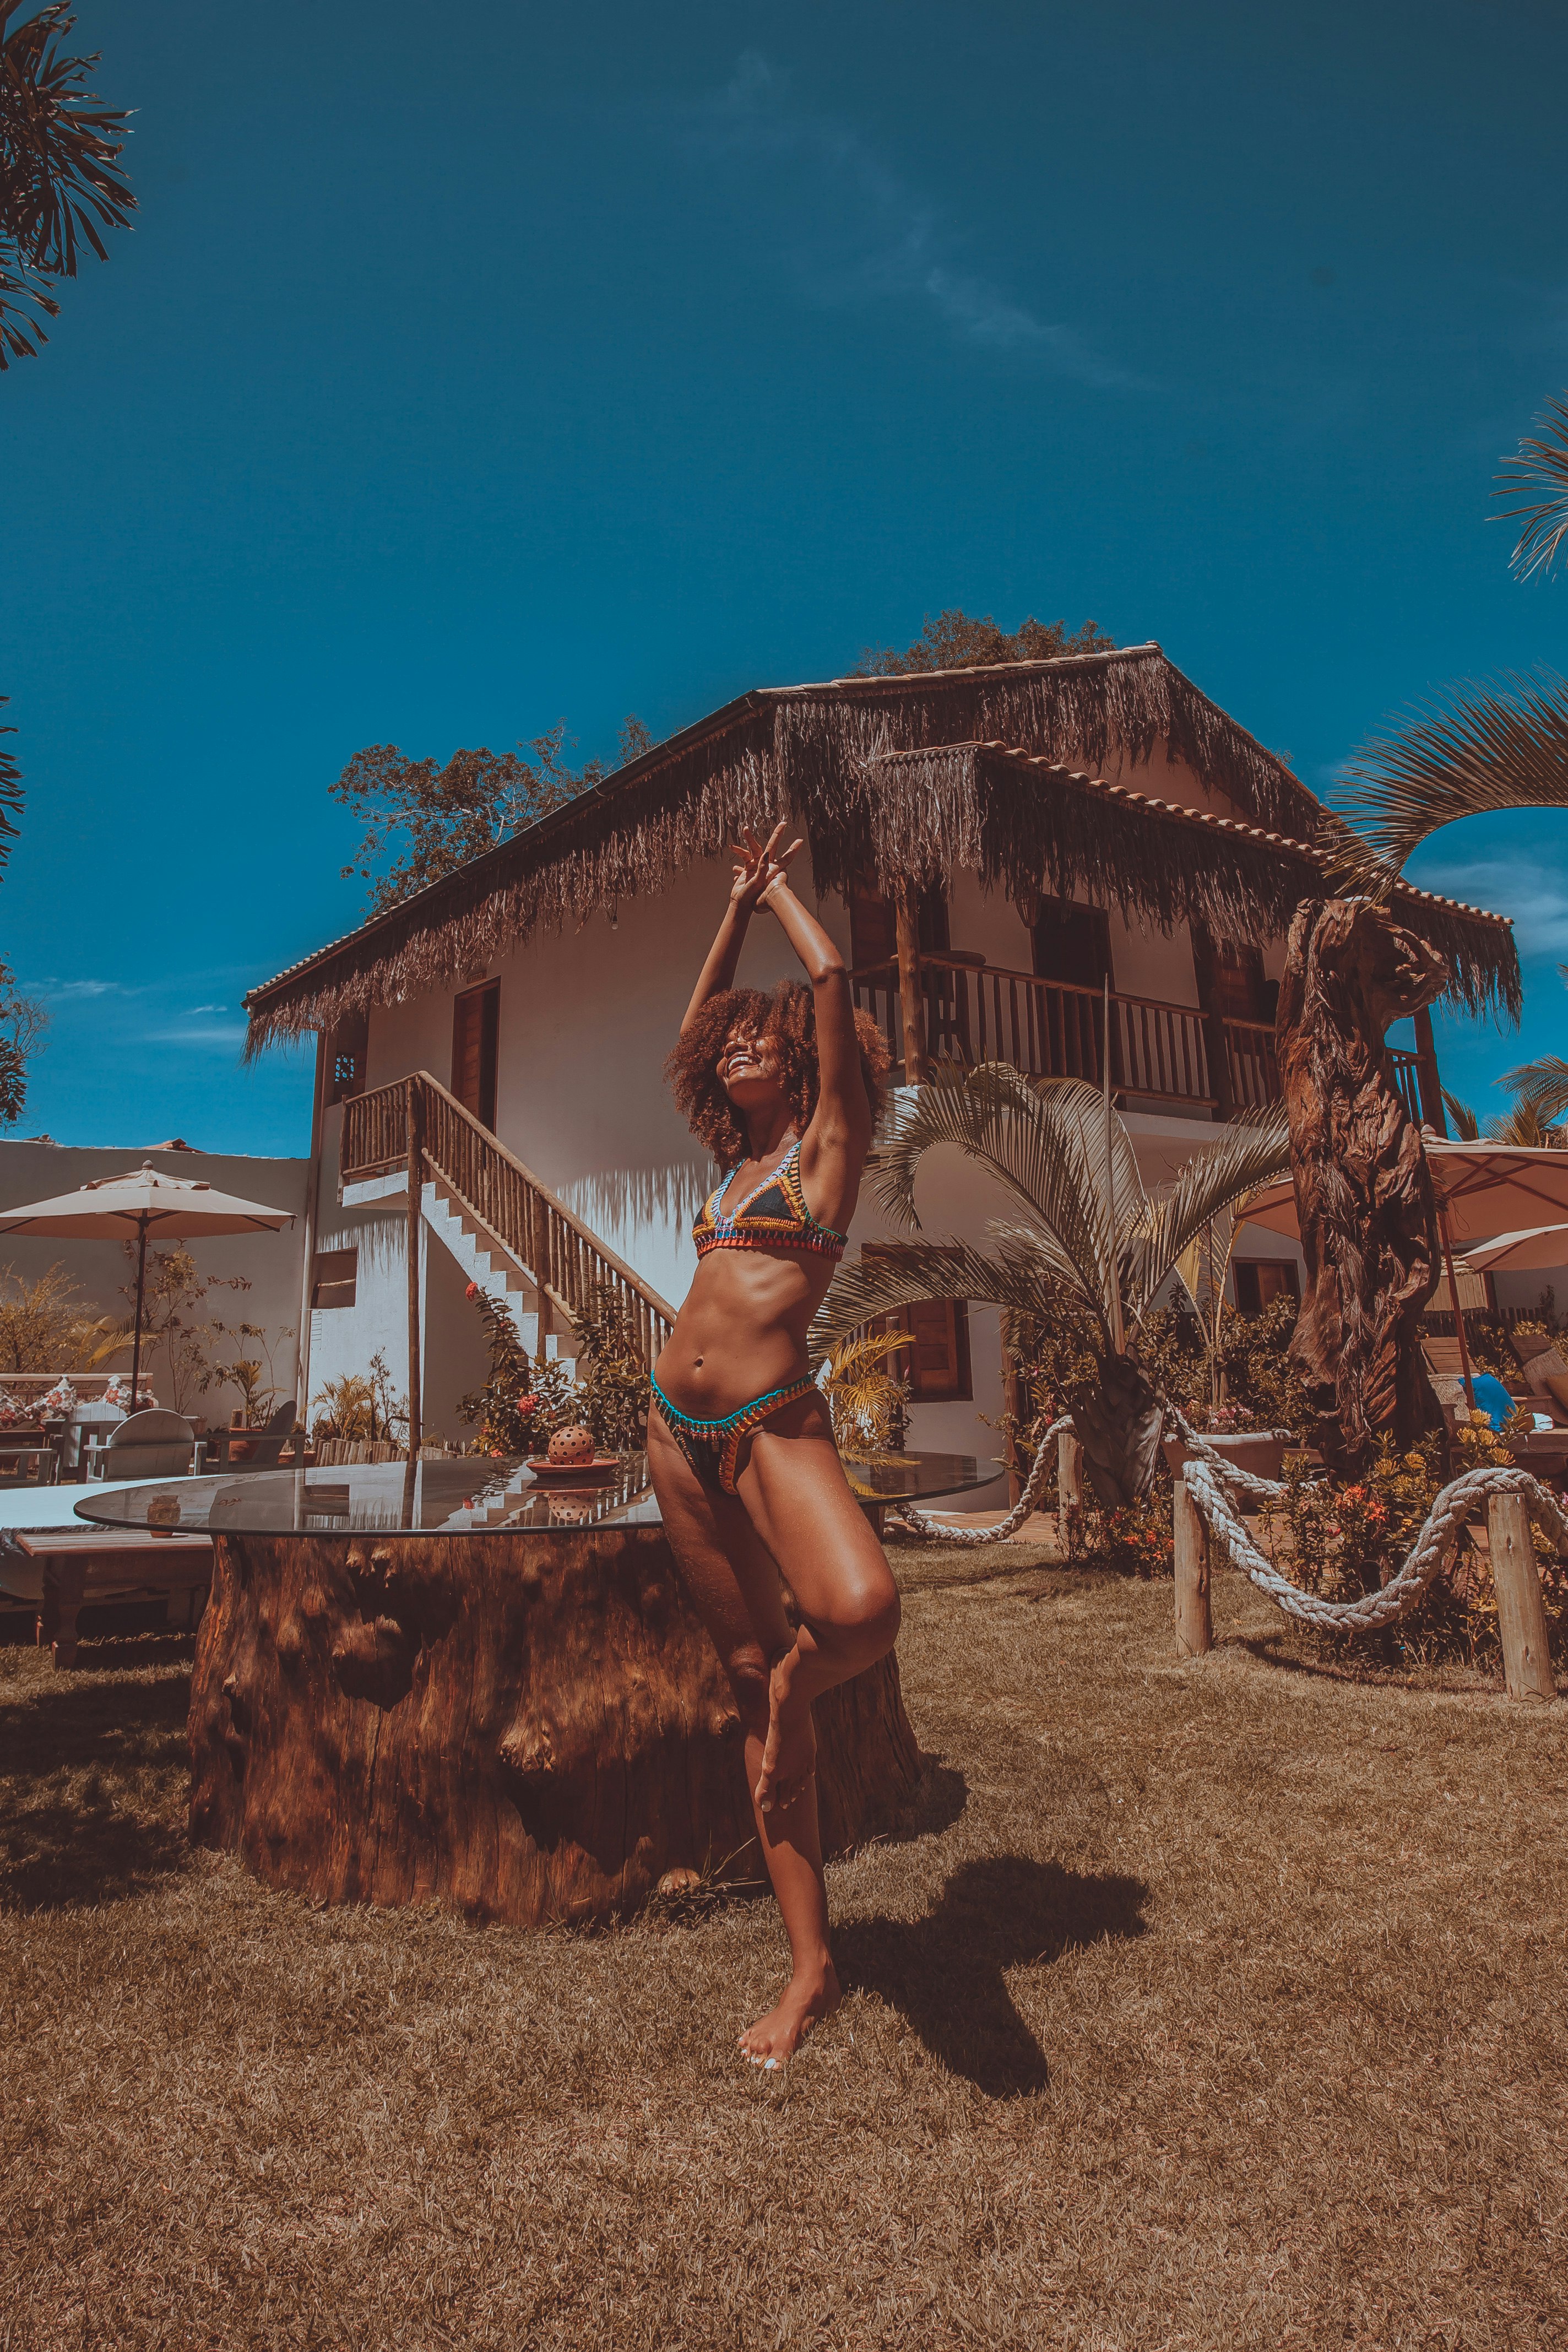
[{"x": 476, "y": 1035}]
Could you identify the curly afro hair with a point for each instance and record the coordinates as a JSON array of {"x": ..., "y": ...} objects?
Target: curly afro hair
[{"x": 788, "y": 1018}]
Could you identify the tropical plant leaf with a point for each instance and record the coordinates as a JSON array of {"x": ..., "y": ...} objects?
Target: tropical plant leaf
[
  {"x": 1481, "y": 751},
  {"x": 1247, "y": 1155},
  {"x": 901, "y": 1272},
  {"x": 1045, "y": 1146},
  {"x": 60, "y": 179},
  {"x": 1540, "y": 471},
  {"x": 1465, "y": 1122},
  {"x": 1542, "y": 1084}
]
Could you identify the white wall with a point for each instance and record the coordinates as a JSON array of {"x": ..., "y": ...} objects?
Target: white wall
[{"x": 271, "y": 1263}]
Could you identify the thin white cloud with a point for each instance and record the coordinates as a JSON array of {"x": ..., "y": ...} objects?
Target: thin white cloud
[
  {"x": 198, "y": 1037},
  {"x": 206, "y": 1008},
  {"x": 66, "y": 991},
  {"x": 860, "y": 233},
  {"x": 1530, "y": 892}
]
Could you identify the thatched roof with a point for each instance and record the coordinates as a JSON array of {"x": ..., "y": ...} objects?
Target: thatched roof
[{"x": 838, "y": 757}]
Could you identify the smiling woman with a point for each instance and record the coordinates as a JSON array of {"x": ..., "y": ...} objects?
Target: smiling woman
[{"x": 784, "y": 1091}]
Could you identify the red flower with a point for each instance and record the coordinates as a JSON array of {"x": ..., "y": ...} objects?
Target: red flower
[
  {"x": 472, "y": 1291},
  {"x": 526, "y": 1404}
]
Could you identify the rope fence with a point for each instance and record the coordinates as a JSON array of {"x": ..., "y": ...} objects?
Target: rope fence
[{"x": 1205, "y": 1512}]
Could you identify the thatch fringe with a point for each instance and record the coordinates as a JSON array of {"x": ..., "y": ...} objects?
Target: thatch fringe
[
  {"x": 1026, "y": 823},
  {"x": 810, "y": 751}
]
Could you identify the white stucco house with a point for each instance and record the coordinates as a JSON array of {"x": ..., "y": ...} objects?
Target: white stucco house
[{"x": 989, "y": 846}]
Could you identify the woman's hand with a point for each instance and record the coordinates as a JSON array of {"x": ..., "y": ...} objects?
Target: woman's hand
[{"x": 762, "y": 863}]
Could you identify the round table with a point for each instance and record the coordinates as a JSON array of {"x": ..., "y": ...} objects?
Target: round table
[{"x": 448, "y": 1682}]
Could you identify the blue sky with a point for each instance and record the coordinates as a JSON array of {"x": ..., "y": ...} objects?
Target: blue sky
[{"x": 462, "y": 375}]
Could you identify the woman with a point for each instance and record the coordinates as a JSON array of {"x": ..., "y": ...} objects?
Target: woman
[{"x": 783, "y": 1089}]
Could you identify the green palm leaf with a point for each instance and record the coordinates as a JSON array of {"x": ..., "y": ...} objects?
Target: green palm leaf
[
  {"x": 1481, "y": 751},
  {"x": 1542, "y": 1085}
]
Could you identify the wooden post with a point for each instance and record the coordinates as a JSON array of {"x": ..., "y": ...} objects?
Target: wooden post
[
  {"x": 1068, "y": 1481},
  {"x": 1193, "y": 1622},
  {"x": 911, "y": 994},
  {"x": 415, "y": 1193},
  {"x": 308, "y": 1272},
  {"x": 1430, "y": 1084},
  {"x": 1521, "y": 1612}
]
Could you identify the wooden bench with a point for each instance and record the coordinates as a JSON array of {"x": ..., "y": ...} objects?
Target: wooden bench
[{"x": 88, "y": 1564}]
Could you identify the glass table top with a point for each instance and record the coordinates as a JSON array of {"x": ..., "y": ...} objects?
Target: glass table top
[{"x": 469, "y": 1495}]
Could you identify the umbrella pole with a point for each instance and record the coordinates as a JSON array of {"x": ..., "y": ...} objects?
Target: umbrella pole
[
  {"x": 141, "y": 1282},
  {"x": 1458, "y": 1312}
]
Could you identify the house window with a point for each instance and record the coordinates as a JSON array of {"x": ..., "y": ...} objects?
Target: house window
[
  {"x": 346, "y": 1058},
  {"x": 1230, "y": 979},
  {"x": 1073, "y": 944},
  {"x": 936, "y": 1363},
  {"x": 475, "y": 1030},
  {"x": 333, "y": 1277},
  {"x": 1259, "y": 1281},
  {"x": 874, "y": 929}
]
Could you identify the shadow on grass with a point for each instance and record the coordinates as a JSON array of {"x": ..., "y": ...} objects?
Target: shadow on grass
[
  {"x": 945, "y": 1972},
  {"x": 92, "y": 1788}
]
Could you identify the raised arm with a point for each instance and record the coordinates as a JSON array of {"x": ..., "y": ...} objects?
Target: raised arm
[
  {"x": 843, "y": 1118},
  {"x": 761, "y": 862}
]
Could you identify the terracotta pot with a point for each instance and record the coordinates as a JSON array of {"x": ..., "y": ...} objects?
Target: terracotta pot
[{"x": 1249, "y": 1449}]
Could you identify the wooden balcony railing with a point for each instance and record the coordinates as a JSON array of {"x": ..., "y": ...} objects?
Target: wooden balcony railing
[
  {"x": 1049, "y": 1029},
  {"x": 506, "y": 1200}
]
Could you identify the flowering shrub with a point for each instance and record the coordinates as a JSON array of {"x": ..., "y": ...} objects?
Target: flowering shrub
[
  {"x": 1138, "y": 1540},
  {"x": 1343, "y": 1541},
  {"x": 1226, "y": 1420}
]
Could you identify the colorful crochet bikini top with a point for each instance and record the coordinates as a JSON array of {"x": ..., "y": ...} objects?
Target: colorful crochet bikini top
[{"x": 774, "y": 1215}]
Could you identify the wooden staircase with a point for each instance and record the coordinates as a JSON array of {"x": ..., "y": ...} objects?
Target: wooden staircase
[{"x": 547, "y": 1260}]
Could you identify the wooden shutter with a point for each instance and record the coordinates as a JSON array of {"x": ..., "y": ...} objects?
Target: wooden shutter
[
  {"x": 873, "y": 932},
  {"x": 1073, "y": 944},
  {"x": 475, "y": 1038},
  {"x": 936, "y": 1363},
  {"x": 1261, "y": 1280}
]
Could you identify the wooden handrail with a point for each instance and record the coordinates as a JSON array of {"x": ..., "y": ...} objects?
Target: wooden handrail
[{"x": 502, "y": 1195}]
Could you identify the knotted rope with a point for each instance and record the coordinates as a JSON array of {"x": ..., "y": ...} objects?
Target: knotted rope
[
  {"x": 1209, "y": 1474},
  {"x": 1427, "y": 1557}
]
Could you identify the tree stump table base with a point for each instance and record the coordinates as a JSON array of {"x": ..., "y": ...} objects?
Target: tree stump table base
[{"x": 521, "y": 1728}]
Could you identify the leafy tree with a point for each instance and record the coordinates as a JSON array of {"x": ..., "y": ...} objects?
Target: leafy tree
[
  {"x": 23, "y": 1021},
  {"x": 174, "y": 1294},
  {"x": 956, "y": 640},
  {"x": 60, "y": 179},
  {"x": 438, "y": 818},
  {"x": 45, "y": 1326},
  {"x": 1080, "y": 1241}
]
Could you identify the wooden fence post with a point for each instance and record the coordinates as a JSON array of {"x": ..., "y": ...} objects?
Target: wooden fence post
[
  {"x": 1194, "y": 1621},
  {"x": 1521, "y": 1612}
]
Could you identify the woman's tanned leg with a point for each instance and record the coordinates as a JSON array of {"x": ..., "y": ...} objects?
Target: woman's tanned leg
[
  {"x": 797, "y": 1500},
  {"x": 732, "y": 1583}
]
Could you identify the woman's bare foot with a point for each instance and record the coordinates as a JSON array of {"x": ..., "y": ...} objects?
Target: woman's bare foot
[
  {"x": 811, "y": 1993},
  {"x": 790, "y": 1751}
]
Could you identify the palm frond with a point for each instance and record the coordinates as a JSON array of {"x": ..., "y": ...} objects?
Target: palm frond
[
  {"x": 1465, "y": 1122},
  {"x": 1525, "y": 1125},
  {"x": 1481, "y": 751},
  {"x": 1045, "y": 1146},
  {"x": 1247, "y": 1155},
  {"x": 1541, "y": 466},
  {"x": 61, "y": 178},
  {"x": 1542, "y": 1084},
  {"x": 903, "y": 1272}
]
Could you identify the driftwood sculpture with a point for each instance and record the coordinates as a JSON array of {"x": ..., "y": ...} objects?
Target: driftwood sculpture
[
  {"x": 1363, "y": 1190},
  {"x": 518, "y": 1728}
]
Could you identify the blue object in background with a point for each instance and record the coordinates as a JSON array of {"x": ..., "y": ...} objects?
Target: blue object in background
[{"x": 1489, "y": 1395}]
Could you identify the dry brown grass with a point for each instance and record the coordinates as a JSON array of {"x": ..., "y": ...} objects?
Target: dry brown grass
[{"x": 1215, "y": 2005}]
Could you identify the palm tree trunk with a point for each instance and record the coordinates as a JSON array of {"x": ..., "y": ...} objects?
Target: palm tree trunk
[{"x": 1119, "y": 1423}]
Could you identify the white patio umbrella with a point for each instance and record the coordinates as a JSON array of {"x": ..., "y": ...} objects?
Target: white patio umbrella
[
  {"x": 143, "y": 1201},
  {"x": 1482, "y": 1189},
  {"x": 1538, "y": 1245}
]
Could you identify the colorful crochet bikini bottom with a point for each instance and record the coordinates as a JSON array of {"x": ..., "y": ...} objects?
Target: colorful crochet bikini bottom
[{"x": 712, "y": 1446}]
